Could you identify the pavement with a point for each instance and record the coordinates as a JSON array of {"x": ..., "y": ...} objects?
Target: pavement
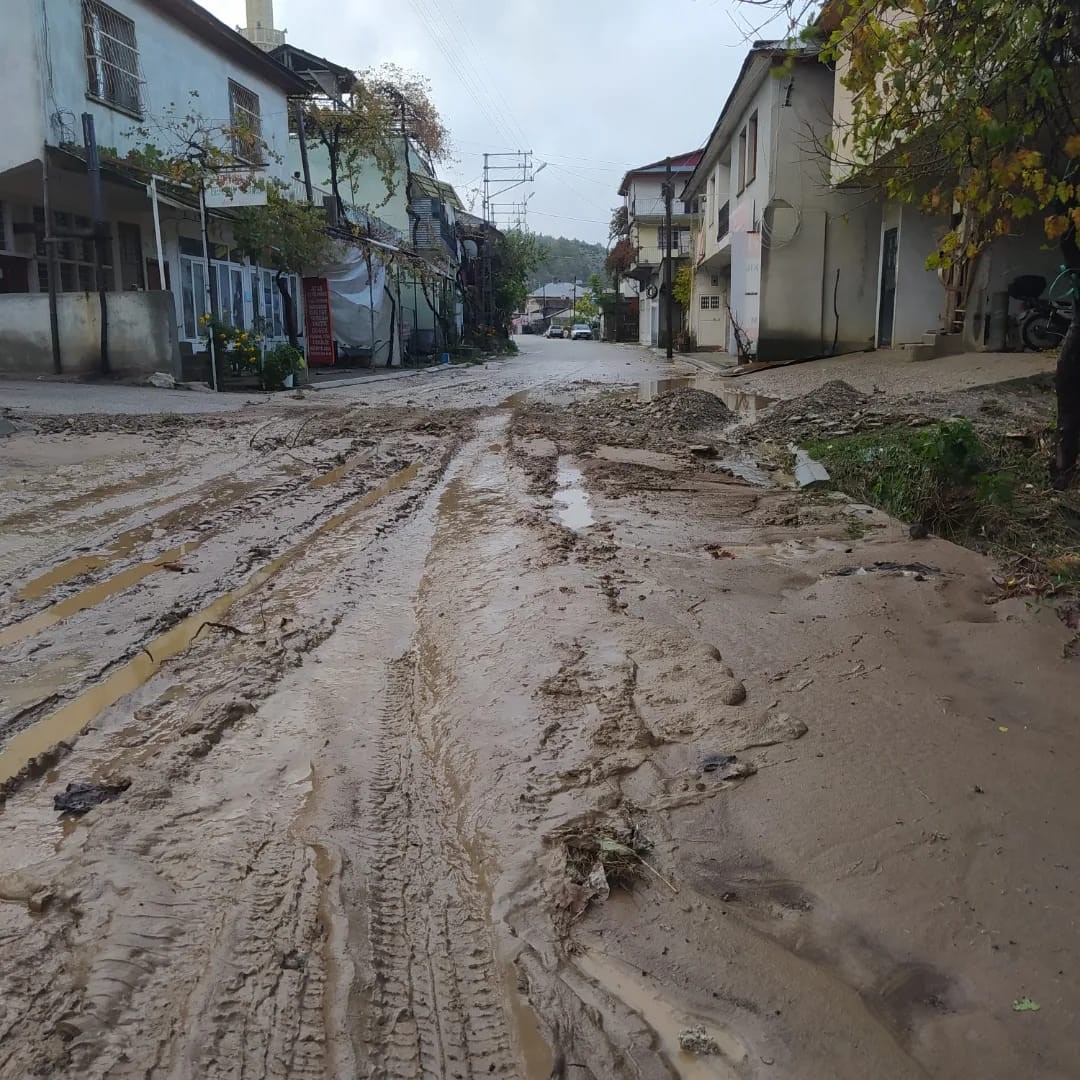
[{"x": 888, "y": 371}]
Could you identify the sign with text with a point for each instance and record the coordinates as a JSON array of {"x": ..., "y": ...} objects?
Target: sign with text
[{"x": 318, "y": 323}]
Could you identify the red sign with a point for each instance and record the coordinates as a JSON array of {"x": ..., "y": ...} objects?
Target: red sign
[{"x": 318, "y": 323}]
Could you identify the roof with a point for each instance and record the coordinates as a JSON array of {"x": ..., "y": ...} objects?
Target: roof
[
  {"x": 680, "y": 163},
  {"x": 760, "y": 56},
  {"x": 436, "y": 189},
  {"x": 320, "y": 74},
  {"x": 212, "y": 30},
  {"x": 557, "y": 290}
]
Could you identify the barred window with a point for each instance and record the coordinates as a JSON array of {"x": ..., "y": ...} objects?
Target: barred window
[
  {"x": 246, "y": 122},
  {"x": 112, "y": 57}
]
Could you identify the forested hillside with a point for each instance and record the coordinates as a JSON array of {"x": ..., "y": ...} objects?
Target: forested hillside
[{"x": 567, "y": 260}]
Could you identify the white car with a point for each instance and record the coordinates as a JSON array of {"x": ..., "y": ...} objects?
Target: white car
[
  {"x": 581, "y": 332},
  {"x": 554, "y": 331}
]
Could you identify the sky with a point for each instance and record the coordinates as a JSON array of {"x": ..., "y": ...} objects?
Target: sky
[{"x": 592, "y": 87}]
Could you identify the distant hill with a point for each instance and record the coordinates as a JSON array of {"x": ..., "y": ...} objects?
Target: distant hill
[{"x": 567, "y": 260}]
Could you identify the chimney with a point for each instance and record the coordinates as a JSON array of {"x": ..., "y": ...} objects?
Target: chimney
[{"x": 260, "y": 25}]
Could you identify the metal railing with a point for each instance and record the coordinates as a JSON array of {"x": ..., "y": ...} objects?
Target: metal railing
[{"x": 723, "y": 221}]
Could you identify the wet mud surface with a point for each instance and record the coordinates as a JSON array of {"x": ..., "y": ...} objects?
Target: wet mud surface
[{"x": 503, "y": 734}]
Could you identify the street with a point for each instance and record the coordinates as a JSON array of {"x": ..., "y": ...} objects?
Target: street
[{"x": 487, "y": 723}]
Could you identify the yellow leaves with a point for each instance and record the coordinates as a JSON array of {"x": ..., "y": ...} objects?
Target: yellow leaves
[
  {"x": 1074, "y": 213},
  {"x": 1002, "y": 226},
  {"x": 1072, "y": 146},
  {"x": 1065, "y": 191},
  {"x": 1056, "y": 226}
]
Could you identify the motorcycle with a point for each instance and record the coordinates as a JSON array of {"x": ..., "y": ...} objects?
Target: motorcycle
[{"x": 1043, "y": 321}]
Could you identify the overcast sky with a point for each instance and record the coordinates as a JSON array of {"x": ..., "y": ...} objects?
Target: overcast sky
[{"x": 593, "y": 87}]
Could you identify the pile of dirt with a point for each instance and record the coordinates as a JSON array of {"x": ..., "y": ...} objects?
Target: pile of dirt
[
  {"x": 668, "y": 420},
  {"x": 119, "y": 423},
  {"x": 834, "y": 408}
]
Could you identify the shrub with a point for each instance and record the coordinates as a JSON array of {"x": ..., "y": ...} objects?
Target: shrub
[{"x": 278, "y": 364}]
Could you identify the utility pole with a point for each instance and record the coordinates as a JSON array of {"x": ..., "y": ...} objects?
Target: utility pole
[
  {"x": 669, "y": 195},
  {"x": 519, "y": 170},
  {"x": 101, "y": 231}
]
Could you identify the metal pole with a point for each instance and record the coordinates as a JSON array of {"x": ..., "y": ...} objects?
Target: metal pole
[
  {"x": 50, "y": 253},
  {"x": 669, "y": 193},
  {"x": 157, "y": 232},
  {"x": 93, "y": 165},
  {"x": 209, "y": 288},
  {"x": 305, "y": 164}
]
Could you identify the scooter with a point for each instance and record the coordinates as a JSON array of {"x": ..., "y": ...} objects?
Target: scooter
[{"x": 1043, "y": 322}]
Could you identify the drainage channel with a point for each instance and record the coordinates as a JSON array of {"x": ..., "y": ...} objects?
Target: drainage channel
[{"x": 70, "y": 720}]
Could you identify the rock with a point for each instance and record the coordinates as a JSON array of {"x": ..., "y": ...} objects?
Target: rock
[
  {"x": 6, "y": 427},
  {"x": 162, "y": 381},
  {"x": 40, "y": 901},
  {"x": 80, "y": 798}
]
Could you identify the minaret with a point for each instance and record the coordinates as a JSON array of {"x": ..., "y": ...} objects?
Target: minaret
[{"x": 260, "y": 25}]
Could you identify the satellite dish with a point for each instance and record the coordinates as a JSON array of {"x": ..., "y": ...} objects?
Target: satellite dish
[{"x": 652, "y": 292}]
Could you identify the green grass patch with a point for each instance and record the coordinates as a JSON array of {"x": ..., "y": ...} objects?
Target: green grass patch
[{"x": 990, "y": 492}]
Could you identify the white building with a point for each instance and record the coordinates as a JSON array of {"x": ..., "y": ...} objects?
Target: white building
[
  {"x": 643, "y": 192},
  {"x": 135, "y": 67},
  {"x": 788, "y": 254}
]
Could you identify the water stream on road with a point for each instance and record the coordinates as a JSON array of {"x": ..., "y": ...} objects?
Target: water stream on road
[{"x": 572, "y": 506}]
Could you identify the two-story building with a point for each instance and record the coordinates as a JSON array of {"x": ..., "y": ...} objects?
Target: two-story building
[
  {"x": 138, "y": 68},
  {"x": 643, "y": 192},
  {"x": 782, "y": 257}
]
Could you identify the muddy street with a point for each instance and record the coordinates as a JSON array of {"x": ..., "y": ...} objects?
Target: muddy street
[{"x": 509, "y": 721}]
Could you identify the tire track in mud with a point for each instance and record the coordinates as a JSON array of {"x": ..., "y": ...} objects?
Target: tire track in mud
[{"x": 436, "y": 990}]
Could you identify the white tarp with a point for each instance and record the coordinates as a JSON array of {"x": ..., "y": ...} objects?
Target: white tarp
[{"x": 362, "y": 307}]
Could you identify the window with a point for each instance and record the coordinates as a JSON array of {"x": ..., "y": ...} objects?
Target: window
[
  {"x": 74, "y": 253},
  {"x": 246, "y": 122},
  {"x": 131, "y": 256},
  {"x": 112, "y": 58},
  {"x": 747, "y": 163},
  {"x": 714, "y": 303},
  {"x": 704, "y": 303},
  {"x": 680, "y": 240},
  {"x": 751, "y": 149}
]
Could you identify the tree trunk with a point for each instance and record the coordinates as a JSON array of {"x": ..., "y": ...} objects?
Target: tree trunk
[
  {"x": 289, "y": 309},
  {"x": 1067, "y": 382}
]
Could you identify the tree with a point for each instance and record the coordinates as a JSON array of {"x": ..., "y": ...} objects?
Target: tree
[
  {"x": 289, "y": 237},
  {"x": 385, "y": 106},
  {"x": 513, "y": 260},
  {"x": 969, "y": 109},
  {"x": 563, "y": 259}
]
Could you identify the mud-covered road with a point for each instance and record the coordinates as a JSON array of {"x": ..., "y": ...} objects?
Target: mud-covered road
[{"x": 471, "y": 724}]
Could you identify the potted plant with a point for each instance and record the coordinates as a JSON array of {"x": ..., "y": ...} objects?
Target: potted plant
[{"x": 280, "y": 366}]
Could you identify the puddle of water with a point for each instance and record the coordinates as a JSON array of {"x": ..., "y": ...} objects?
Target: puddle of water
[
  {"x": 743, "y": 404},
  {"x": 572, "y": 507},
  {"x": 514, "y": 400},
  {"x": 342, "y": 470},
  {"x": 91, "y": 597},
  {"x": 68, "y": 721},
  {"x": 664, "y": 1018}
]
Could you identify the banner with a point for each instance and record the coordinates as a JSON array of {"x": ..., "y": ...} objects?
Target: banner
[{"x": 318, "y": 323}]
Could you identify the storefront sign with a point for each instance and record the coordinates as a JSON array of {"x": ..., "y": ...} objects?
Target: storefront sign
[{"x": 318, "y": 323}]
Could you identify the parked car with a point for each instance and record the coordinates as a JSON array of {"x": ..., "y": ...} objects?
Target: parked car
[
  {"x": 581, "y": 332},
  {"x": 553, "y": 331}
]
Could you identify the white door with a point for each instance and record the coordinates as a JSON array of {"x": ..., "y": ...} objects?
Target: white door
[{"x": 712, "y": 320}]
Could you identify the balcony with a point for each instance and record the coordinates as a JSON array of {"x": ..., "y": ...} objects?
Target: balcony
[{"x": 654, "y": 256}]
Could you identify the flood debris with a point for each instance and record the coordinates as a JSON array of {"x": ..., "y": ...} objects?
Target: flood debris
[
  {"x": 808, "y": 472},
  {"x": 696, "y": 1040},
  {"x": 82, "y": 796},
  {"x": 920, "y": 571}
]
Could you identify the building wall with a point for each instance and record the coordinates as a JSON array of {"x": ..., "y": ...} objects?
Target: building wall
[
  {"x": 20, "y": 84},
  {"x": 142, "y": 334},
  {"x": 173, "y": 64}
]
